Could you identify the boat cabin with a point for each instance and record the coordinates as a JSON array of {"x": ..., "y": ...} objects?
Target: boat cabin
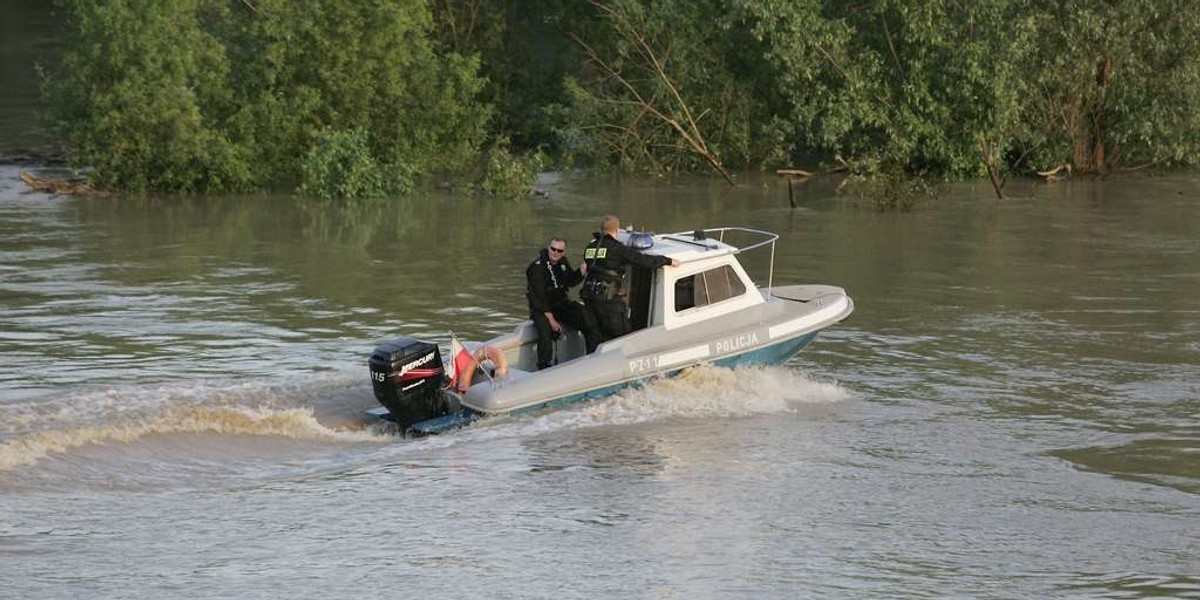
[{"x": 709, "y": 283}]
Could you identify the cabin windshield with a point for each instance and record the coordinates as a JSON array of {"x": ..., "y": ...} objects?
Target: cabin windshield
[{"x": 707, "y": 287}]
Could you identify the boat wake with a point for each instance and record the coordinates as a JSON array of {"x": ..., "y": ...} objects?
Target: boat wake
[
  {"x": 704, "y": 392},
  {"x": 208, "y": 433},
  {"x": 292, "y": 423},
  {"x": 42, "y": 428},
  {"x": 714, "y": 392}
]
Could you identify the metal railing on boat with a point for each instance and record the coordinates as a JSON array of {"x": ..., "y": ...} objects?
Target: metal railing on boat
[{"x": 769, "y": 238}]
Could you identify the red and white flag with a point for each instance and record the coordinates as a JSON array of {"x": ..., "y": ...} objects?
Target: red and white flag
[{"x": 461, "y": 362}]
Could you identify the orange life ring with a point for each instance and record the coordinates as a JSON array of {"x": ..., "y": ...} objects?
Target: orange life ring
[{"x": 465, "y": 373}]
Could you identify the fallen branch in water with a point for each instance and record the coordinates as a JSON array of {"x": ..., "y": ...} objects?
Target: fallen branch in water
[
  {"x": 1058, "y": 173},
  {"x": 66, "y": 186},
  {"x": 795, "y": 176}
]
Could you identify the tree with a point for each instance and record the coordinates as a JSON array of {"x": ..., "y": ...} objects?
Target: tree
[
  {"x": 136, "y": 109},
  {"x": 920, "y": 89},
  {"x": 955, "y": 90},
  {"x": 214, "y": 95},
  {"x": 668, "y": 85},
  {"x": 1115, "y": 83}
]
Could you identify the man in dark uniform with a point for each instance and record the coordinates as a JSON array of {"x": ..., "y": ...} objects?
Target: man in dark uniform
[
  {"x": 547, "y": 280},
  {"x": 603, "y": 290}
]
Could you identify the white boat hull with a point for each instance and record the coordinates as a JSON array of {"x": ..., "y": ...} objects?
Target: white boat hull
[{"x": 769, "y": 333}]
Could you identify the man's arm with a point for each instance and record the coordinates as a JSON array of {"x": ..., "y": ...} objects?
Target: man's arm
[
  {"x": 537, "y": 288},
  {"x": 574, "y": 276},
  {"x": 648, "y": 261}
]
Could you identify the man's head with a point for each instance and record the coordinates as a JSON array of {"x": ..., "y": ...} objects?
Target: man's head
[
  {"x": 556, "y": 249},
  {"x": 610, "y": 225}
]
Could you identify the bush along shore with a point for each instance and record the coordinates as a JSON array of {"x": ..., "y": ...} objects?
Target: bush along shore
[{"x": 369, "y": 98}]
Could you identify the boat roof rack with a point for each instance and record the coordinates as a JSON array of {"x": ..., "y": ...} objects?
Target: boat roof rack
[{"x": 703, "y": 237}]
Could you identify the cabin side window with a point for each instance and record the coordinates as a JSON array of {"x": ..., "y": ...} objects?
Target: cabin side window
[{"x": 707, "y": 287}]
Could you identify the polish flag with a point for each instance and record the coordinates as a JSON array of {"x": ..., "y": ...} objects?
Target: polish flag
[{"x": 463, "y": 361}]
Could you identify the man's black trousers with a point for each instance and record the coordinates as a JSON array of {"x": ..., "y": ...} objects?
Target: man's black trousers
[
  {"x": 612, "y": 316},
  {"x": 569, "y": 314}
]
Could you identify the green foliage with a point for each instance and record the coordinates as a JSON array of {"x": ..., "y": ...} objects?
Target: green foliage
[
  {"x": 366, "y": 98},
  {"x": 525, "y": 51},
  {"x": 1116, "y": 83},
  {"x": 509, "y": 176},
  {"x": 662, "y": 78},
  {"x": 943, "y": 90},
  {"x": 341, "y": 165},
  {"x": 211, "y": 95},
  {"x": 909, "y": 88},
  {"x": 133, "y": 106}
]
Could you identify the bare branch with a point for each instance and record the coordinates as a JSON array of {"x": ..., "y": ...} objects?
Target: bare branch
[
  {"x": 685, "y": 124},
  {"x": 892, "y": 46},
  {"x": 252, "y": 8}
]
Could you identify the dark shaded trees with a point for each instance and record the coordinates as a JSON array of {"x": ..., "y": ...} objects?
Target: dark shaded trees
[
  {"x": 213, "y": 95},
  {"x": 1114, "y": 84},
  {"x": 668, "y": 86},
  {"x": 935, "y": 89},
  {"x": 350, "y": 98}
]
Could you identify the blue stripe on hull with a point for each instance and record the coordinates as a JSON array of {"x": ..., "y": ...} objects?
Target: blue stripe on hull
[{"x": 767, "y": 355}]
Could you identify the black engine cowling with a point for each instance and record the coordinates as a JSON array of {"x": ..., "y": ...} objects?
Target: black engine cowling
[{"x": 407, "y": 376}]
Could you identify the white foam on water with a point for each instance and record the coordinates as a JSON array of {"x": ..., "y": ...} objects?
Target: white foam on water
[
  {"x": 285, "y": 411},
  {"x": 705, "y": 392},
  {"x": 98, "y": 405},
  {"x": 291, "y": 423},
  {"x": 37, "y": 429}
]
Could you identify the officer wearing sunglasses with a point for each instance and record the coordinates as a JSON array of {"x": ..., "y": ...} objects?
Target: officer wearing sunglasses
[{"x": 547, "y": 280}]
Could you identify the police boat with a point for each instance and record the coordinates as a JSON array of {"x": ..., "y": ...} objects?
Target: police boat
[{"x": 707, "y": 310}]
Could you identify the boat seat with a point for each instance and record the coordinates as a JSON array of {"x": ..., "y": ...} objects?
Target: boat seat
[
  {"x": 513, "y": 375},
  {"x": 517, "y": 374}
]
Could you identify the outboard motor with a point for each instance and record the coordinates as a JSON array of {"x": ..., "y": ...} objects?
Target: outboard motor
[{"x": 407, "y": 377}]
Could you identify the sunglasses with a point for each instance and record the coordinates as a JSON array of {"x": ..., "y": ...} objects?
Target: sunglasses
[{"x": 560, "y": 250}]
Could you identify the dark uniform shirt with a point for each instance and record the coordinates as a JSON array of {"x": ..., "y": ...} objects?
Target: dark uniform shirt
[
  {"x": 607, "y": 260},
  {"x": 546, "y": 283}
]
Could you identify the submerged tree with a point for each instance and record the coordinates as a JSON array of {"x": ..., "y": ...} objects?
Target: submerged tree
[
  {"x": 928, "y": 89},
  {"x": 668, "y": 86},
  {"x": 348, "y": 97},
  {"x": 1115, "y": 84},
  {"x": 139, "y": 111},
  {"x": 213, "y": 95}
]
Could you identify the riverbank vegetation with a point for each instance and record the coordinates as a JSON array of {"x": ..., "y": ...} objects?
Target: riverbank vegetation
[{"x": 353, "y": 98}]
